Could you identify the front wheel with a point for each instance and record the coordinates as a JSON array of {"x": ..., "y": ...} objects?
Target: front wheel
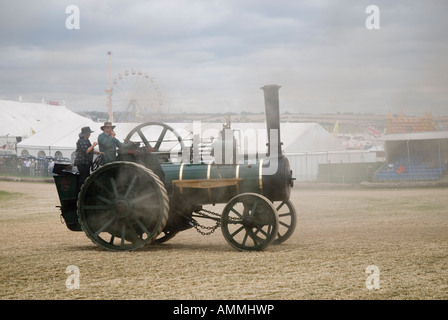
[
  {"x": 249, "y": 222},
  {"x": 287, "y": 221}
]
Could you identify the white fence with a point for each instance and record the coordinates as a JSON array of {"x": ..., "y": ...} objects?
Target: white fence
[{"x": 305, "y": 166}]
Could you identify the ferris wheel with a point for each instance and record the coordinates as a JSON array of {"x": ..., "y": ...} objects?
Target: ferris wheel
[{"x": 136, "y": 95}]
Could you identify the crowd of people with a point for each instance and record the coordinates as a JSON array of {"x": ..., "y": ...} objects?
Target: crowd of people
[
  {"x": 33, "y": 167},
  {"x": 28, "y": 166}
]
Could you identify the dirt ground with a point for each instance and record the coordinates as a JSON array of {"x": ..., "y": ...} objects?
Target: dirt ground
[{"x": 340, "y": 233}]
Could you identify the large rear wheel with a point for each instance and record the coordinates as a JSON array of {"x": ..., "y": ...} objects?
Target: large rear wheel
[{"x": 123, "y": 206}]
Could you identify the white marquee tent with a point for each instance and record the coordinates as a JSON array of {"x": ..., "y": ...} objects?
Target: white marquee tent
[
  {"x": 61, "y": 137},
  {"x": 22, "y": 119}
]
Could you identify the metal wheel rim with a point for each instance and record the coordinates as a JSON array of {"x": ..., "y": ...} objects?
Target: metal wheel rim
[
  {"x": 160, "y": 139},
  {"x": 122, "y": 206},
  {"x": 287, "y": 221}
]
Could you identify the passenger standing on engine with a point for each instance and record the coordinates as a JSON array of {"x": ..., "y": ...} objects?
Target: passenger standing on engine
[
  {"x": 108, "y": 143},
  {"x": 84, "y": 154}
]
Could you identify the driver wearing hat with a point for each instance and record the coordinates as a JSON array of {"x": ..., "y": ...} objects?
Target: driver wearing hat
[
  {"x": 108, "y": 143},
  {"x": 84, "y": 154}
]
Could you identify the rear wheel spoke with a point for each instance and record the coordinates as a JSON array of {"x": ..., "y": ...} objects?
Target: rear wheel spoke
[
  {"x": 114, "y": 187},
  {"x": 130, "y": 186},
  {"x": 143, "y": 197},
  {"x": 104, "y": 226},
  {"x": 141, "y": 225},
  {"x": 101, "y": 198}
]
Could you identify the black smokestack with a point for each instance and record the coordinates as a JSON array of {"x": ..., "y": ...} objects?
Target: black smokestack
[{"x": 272, "y": 108}]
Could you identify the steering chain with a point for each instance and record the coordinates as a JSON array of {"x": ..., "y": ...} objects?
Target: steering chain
[{"x": 212, "y": 229}]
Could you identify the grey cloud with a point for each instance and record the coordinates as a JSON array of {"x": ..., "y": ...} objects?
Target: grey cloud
[{"x": 215, "y": 55}]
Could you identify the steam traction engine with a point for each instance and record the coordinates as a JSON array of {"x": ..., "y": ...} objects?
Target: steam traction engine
[{"x": 145, "y": 197}]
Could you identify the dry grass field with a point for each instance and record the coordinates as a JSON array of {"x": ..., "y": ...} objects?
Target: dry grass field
[{"x": 340, "y": 232}]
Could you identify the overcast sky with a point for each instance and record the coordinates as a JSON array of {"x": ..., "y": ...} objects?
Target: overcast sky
[{"x": 215, "y": 55}]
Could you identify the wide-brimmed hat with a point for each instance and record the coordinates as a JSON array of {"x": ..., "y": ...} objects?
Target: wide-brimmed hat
[
  {"x": 107, "y": 124},
  {"x": 84, "y": 131}
]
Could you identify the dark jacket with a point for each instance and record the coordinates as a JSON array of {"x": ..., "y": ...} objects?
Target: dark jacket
[
  {"x": 82, "y": 157},
  {"x": 108, "y": 145}
]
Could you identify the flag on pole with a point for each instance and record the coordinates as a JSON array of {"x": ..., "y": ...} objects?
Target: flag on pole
[
  {"x": 373, "y": 132},
  {"x": 336, "y": 128}
]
